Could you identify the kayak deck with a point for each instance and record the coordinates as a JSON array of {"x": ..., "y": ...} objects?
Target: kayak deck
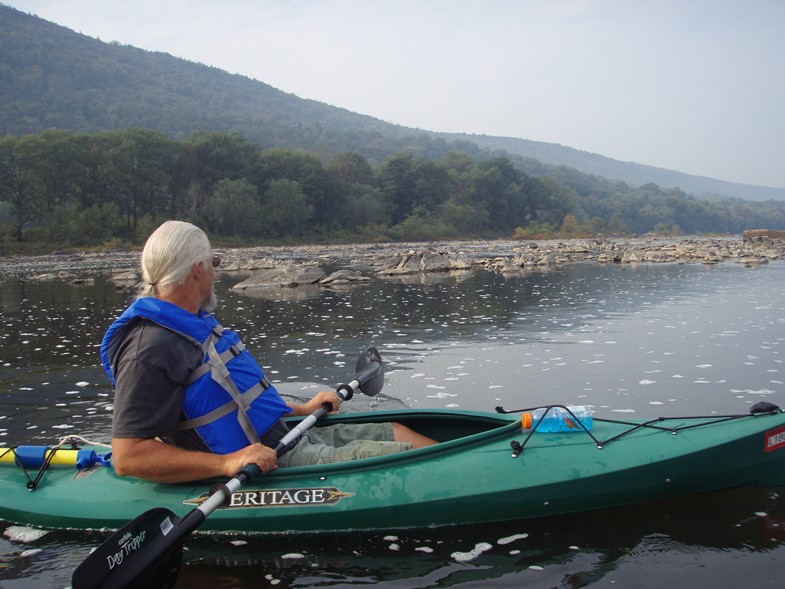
[{"x": 473, "y": 475}]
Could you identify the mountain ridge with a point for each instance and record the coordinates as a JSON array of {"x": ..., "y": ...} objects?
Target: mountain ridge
[
  {"x": 52, "y": 76},
  {"x": 627, "y": 171}
]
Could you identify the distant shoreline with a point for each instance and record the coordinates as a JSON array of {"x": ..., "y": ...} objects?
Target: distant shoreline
[{"x": 483, "y": 252}]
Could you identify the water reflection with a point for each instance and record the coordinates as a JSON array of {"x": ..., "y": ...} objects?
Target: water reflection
[
  {"x": 664, "y": 542},
  {"x": 724, "y": 539}
]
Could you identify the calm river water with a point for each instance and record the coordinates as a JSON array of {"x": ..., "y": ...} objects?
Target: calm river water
[{"x": 643, "y": 341}]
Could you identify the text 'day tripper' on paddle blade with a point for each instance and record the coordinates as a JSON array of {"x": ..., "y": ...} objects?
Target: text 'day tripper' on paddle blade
[{"x": 134, "y": 556}]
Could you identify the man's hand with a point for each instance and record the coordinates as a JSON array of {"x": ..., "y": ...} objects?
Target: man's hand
[
  {"x": 262, "y": 456},
  {"x": 331, "y": 398}
]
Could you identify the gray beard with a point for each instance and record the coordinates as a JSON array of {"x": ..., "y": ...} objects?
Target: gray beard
[{"x": 210, "y": 304}]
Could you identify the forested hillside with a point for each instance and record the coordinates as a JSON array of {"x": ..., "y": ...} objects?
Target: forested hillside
[
  {"x": 52, "y": 77},
  {"x": 99, "y": 143}
]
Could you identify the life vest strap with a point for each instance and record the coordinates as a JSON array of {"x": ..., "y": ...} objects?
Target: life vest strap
[
  {"x": 225, "y": 356},
  {"x": 248, "y": 397}
]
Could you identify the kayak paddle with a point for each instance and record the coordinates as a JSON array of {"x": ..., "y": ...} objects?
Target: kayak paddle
[{"x": 147, "y": 552}]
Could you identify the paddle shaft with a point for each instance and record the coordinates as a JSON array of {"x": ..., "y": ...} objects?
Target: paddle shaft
[{"x": 294, "y": 435}]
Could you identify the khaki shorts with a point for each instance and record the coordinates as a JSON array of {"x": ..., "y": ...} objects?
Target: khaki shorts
[{"x": 342, "y": 442}]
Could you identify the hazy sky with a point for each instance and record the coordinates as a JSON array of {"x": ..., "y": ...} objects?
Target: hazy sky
[{"x": 690, "y": 85}]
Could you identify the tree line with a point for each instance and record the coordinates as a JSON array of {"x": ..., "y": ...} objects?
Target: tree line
[{"x": 62, "y": 189}]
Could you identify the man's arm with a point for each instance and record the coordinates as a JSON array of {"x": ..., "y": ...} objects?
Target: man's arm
[
  {"x": 153, "y": 460},
  {"x": 305, "y": 409}
]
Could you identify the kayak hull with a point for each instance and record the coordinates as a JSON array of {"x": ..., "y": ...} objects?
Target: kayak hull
[{"x": 470, "y": 477}]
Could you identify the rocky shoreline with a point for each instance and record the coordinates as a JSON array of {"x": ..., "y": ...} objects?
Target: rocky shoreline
[{"x": 331, "y": 265}]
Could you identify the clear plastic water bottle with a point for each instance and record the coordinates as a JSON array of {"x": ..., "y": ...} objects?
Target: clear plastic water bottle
[{"x": 557, "y": 419}]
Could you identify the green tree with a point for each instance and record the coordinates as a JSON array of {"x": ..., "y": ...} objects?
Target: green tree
[
  {"x": 203, "y": 159},
  {"x": 397, "y": 181},
  {"x": 570, "y": 226},
  {"x": 56, "y": 155},
  {"x": 362, "y": 203},
  {"x": 459, "y": 166},
  {"x": 364, "y": 206},
  {"x": 432, "y": 184},
  {"x": 97, "y": 224},
  {"x": 211, "y": 156},
  {"x": 497, "y": 187},
  {"x": 141, "y": 161},
  {"x": 417, "y": 227},
  {"x": 349, "y": 168},
  {"x": 58, "y": 159},
  {"x": 550, "y": 201},
  {"x": 617, "y": 225},
  {"x": 319, "y": 188},
  {"x": 97, "y": 173},
  {"x": 234, "y": 210},
  {"x": 463, "y": 218},
  {"x": 20, "y": 187},
  {"x": 286, "y": 210}
]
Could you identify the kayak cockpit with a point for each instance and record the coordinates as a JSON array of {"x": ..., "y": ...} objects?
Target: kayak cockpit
[
  {"x": 440, "y": 425},
  {"x": 454, "y": 430}
]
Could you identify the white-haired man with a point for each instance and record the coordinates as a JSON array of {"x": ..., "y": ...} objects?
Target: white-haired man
[{"x": 190, "y": 401}]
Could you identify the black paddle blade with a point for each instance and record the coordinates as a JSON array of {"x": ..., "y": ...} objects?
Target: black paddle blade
[
  {"x": 370, "y": 372},
  {"x": 138, "y": 555}
]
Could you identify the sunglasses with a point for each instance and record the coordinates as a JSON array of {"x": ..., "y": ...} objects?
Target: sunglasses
[{"x": 216, "y": 260}]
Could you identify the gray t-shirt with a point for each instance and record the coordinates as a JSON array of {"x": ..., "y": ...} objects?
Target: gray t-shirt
[{"x": 152, "y": 368}]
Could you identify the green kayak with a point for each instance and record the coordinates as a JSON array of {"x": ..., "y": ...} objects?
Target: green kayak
[{"x": 486, "y": 468}]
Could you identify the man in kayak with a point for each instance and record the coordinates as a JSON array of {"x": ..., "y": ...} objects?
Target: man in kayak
[{"x": 190, "y": 401}]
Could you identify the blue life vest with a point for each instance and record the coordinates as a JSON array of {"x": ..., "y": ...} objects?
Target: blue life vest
[{"x": 228, "y": 401}]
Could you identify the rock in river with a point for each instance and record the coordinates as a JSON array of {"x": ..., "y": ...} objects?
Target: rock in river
[{"x": 284, "y": 275}]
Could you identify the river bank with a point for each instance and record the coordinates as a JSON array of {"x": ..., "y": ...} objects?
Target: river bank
[{"x": 390, "y": 259}]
